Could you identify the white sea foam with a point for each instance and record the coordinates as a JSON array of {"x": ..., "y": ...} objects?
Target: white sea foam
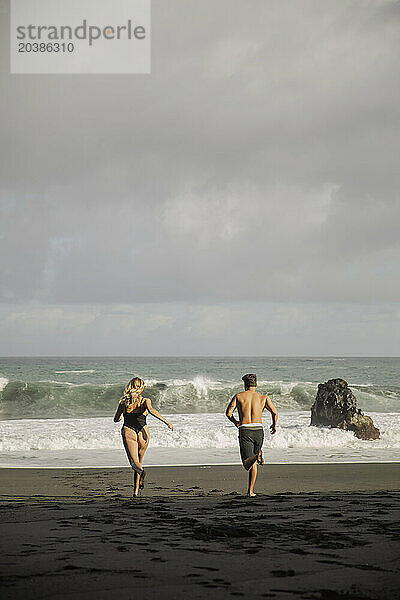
[
  {"x": 196, "y": 439},
  {"x": 365, "y": 385},
  {"x": 76, "y": 371},
  {"x": 205, "y": 431},
  {"x": 201, "y": 383},
  {"x": 55, "y": 382},
  {"x": 3, "y": 382}
]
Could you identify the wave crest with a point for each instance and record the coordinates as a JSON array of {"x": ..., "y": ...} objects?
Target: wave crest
[{"x": 54, "y": 399}]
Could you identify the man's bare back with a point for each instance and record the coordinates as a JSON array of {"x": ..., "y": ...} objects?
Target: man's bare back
[{"x": 250, "y": 405}]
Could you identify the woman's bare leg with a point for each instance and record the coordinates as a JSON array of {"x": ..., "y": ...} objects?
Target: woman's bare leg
[
  {"x": 143, "y": 442},
  {"x": 136, "y": 478},
  {"x": 130, "y": 440}
]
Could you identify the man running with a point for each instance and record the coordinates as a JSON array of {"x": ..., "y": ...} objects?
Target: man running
[{"x": 250, "y": 405}]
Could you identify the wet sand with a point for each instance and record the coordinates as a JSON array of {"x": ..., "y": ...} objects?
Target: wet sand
[{"x": 323, "y": 532}]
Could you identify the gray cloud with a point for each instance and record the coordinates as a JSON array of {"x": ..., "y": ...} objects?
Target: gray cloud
[{"x": 257, "y": 163}]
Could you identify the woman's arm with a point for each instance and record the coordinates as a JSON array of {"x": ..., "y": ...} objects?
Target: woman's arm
[
  {"x": 118, "y": 413},
  {"x": 156, "y": 414}
]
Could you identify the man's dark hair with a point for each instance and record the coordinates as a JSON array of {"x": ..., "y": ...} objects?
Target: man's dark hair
[{"x": 250, "y": 380}]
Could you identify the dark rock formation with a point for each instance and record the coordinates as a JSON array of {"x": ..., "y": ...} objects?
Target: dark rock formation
[{"x": 336, "y": 406}]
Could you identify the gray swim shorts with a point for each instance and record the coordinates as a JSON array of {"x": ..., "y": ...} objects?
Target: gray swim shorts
[{"x": 250, "y": 441}]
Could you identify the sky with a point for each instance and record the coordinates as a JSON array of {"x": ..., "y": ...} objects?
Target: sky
[{"x": 242, "y": 199}]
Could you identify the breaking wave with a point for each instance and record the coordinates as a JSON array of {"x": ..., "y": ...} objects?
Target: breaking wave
[{"x": 54, "y": 399}]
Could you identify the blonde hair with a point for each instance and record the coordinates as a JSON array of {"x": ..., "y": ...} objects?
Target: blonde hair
[{"x": 133, "y": 391}]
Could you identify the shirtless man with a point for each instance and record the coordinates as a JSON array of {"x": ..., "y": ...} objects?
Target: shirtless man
[{"x": 250, "y": 405}]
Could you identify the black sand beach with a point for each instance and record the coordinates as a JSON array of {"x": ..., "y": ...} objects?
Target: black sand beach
[{"x": 323, "y": 532}]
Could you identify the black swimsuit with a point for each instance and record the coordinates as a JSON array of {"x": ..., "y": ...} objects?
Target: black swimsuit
[{"x": 135, "y": 421}]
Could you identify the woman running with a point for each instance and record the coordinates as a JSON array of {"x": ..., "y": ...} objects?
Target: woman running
[{"x": 135, "y": 432}]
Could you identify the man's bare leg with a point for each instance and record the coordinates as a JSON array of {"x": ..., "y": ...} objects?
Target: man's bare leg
[
  {"x": 252, "y": 479},
  {"x": 249, "y": 462}
]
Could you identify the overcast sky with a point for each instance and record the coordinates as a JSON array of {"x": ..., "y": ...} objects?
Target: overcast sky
[{"x": 241, "y": 199}]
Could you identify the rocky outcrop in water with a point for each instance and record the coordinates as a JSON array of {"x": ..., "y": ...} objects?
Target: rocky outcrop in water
[{"x": 336, "y": 406}]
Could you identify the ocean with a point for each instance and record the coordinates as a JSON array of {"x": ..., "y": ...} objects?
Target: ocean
[{"x": 57, "y": 412}]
